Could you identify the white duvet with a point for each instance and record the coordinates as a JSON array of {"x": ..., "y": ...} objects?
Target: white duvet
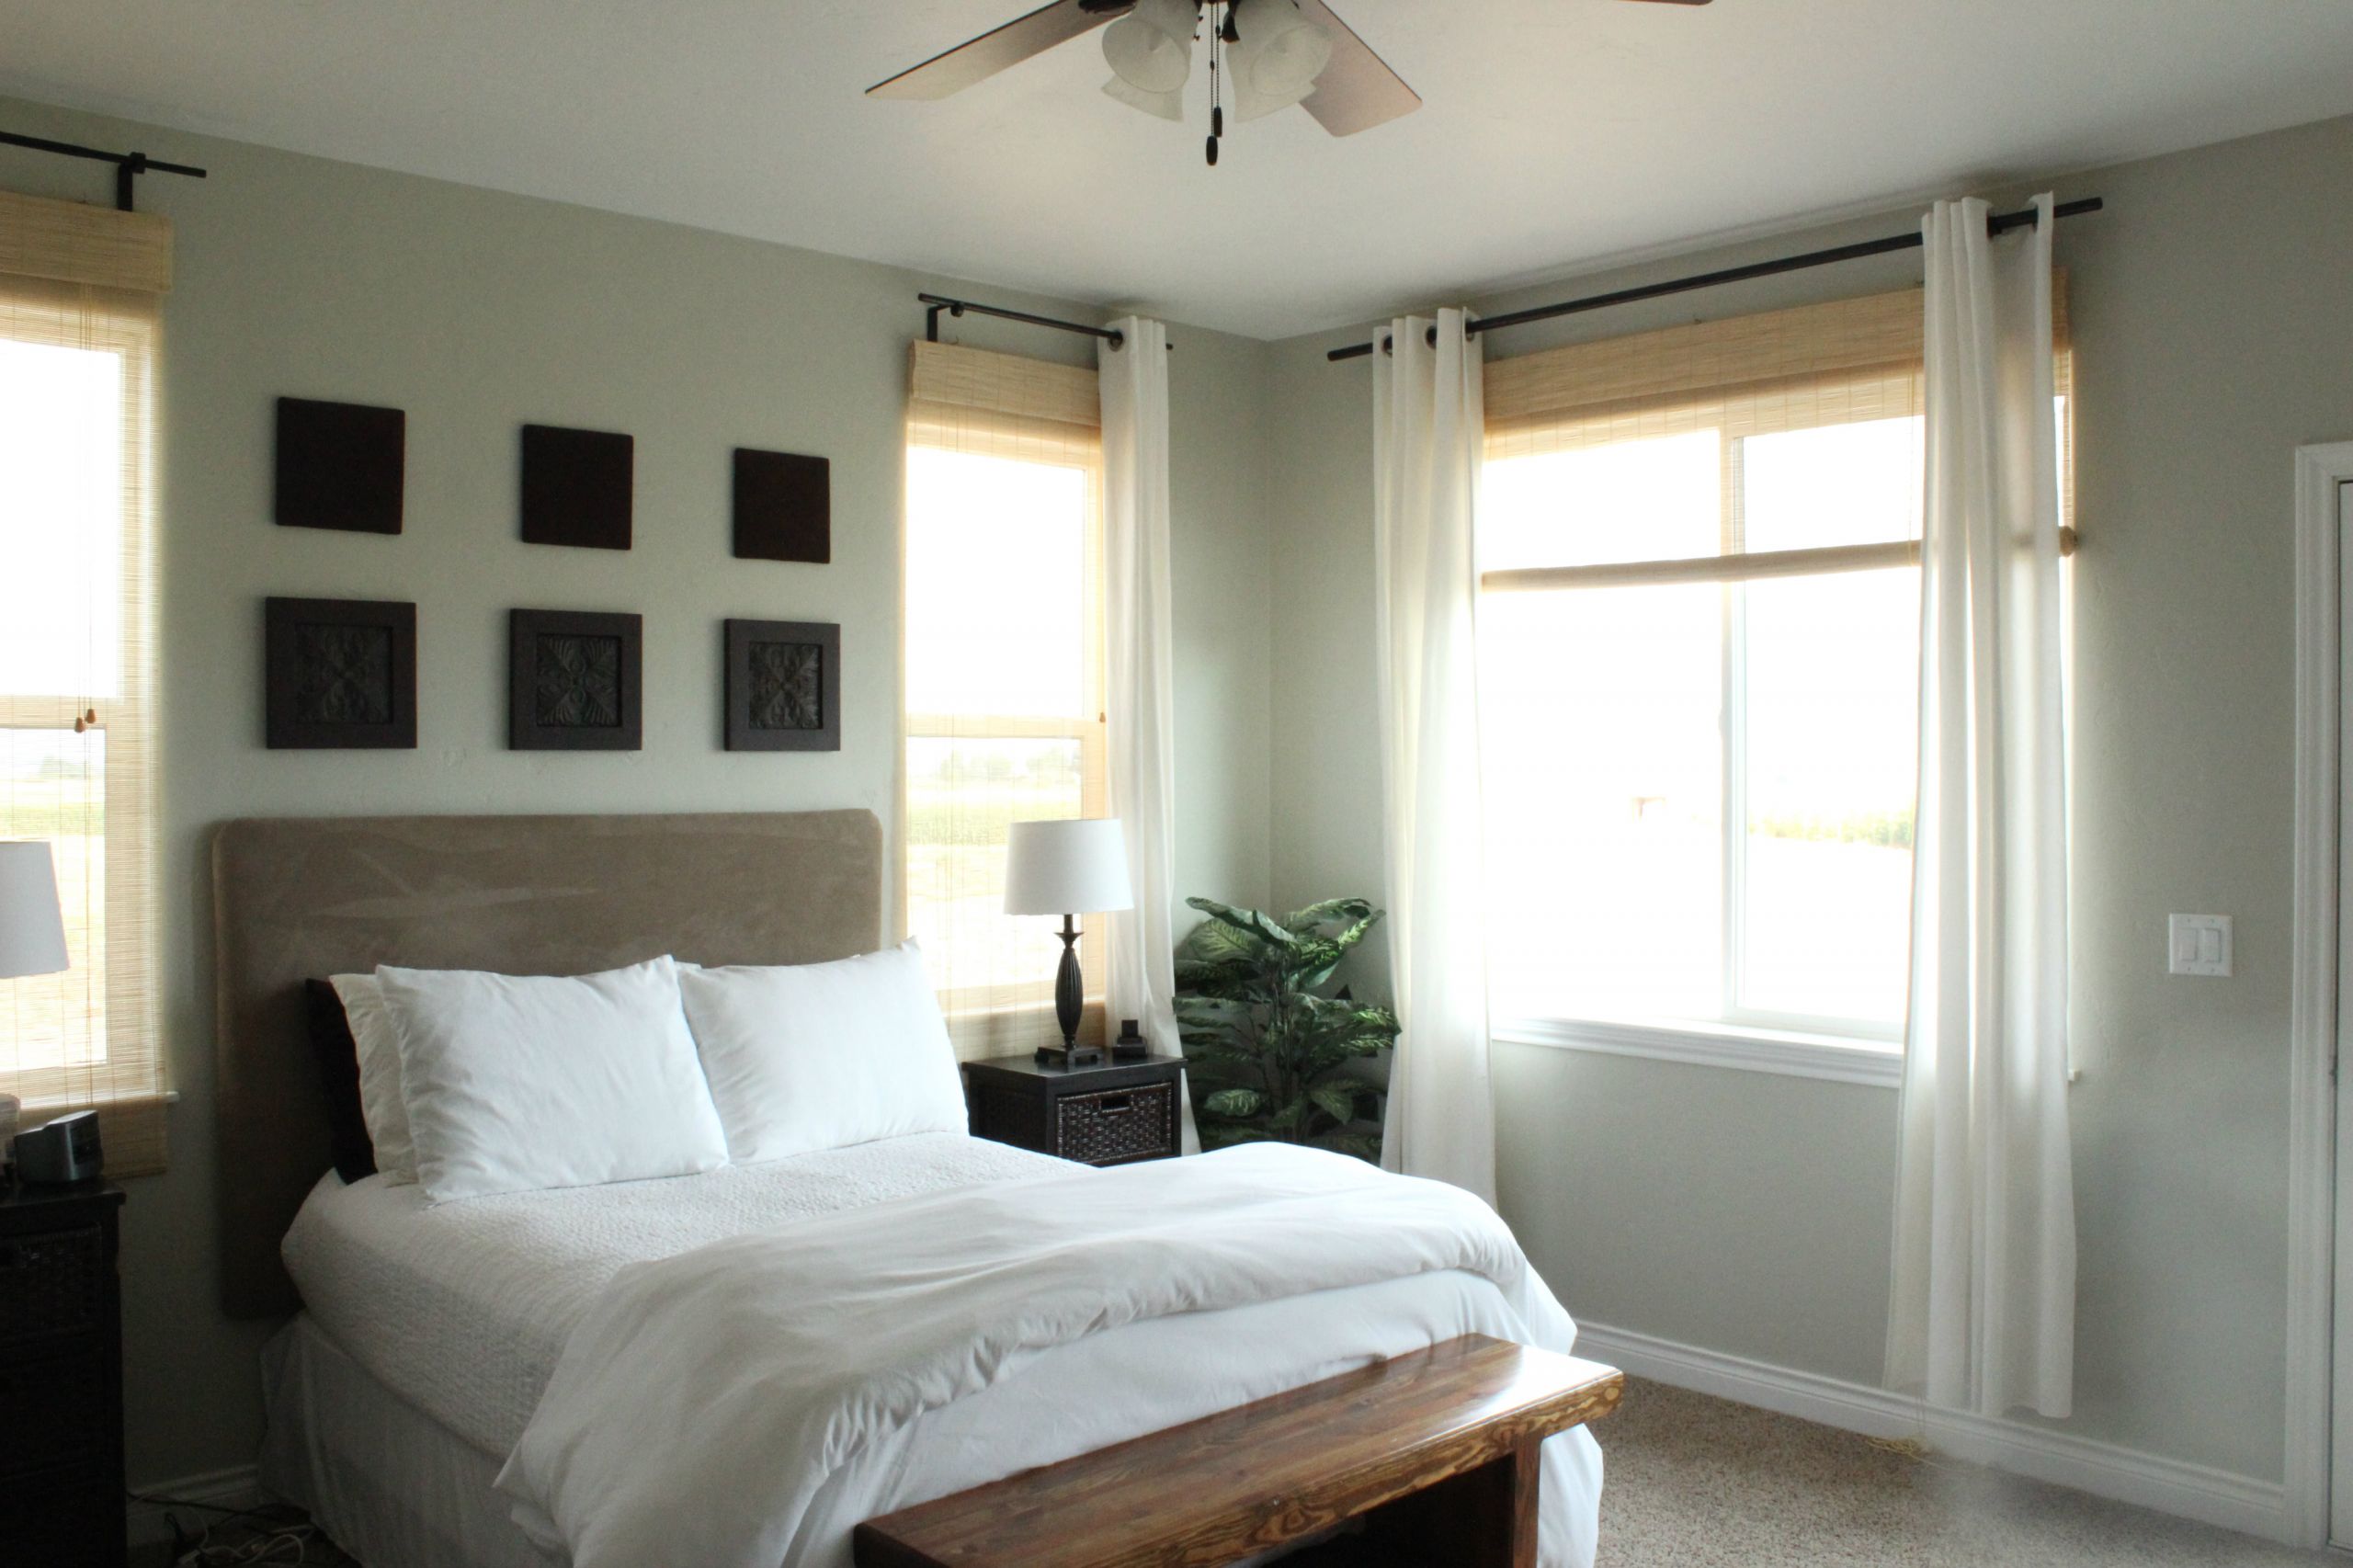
[{"x": 745, "y": 1403}]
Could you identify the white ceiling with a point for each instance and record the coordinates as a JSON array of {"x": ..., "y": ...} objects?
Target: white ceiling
[{"x": 1555, "y": 133}]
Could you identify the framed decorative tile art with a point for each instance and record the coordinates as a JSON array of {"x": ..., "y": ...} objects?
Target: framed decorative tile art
[
  {"x": 340, "y": 674},
  {"x": 784, "y": 686},
  {"x": 573, "y": 680}
]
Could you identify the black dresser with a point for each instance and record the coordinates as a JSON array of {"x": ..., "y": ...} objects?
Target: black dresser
[
  {"x": 1109, "y": 1115},
  {"x": 60, "y": 1377}
]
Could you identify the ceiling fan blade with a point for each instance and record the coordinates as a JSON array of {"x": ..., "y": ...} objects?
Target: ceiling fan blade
[
  {"x": 996, "y": 51},
  {"x": 1357, "y": 90}
]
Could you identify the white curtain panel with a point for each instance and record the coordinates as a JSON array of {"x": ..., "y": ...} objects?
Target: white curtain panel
[
  {"x": 1984, "y": 1310},
  {"x": 1140, "y": 696},
  {"x": 1427, "y": 444}
]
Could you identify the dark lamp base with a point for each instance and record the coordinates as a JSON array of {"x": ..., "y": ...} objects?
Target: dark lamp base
[{"x": 1070, "y": 998}]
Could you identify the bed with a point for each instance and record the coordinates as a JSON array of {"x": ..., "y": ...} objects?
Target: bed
[{"x": 428, "y": 1337}]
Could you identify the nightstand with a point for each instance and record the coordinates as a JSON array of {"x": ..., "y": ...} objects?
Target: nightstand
[
  {"x": 1110, "y": 1115},
  {"x": 61, "y": 1376}
]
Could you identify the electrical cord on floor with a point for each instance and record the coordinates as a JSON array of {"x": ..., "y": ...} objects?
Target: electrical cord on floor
[{"x": 242, "y": 1537}]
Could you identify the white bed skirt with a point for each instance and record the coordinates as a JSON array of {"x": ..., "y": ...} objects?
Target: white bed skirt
[{"x": 387, "y": 1483}]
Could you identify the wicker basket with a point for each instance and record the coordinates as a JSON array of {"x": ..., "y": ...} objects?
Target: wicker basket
[
  {"x": 54, "y": 1283},
  {"x": 1116, "y": 1124}
]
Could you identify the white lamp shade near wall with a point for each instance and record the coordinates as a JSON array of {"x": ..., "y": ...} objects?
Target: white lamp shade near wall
[
  {"x": 1073, "y": 867},
  {"x": 1151, "y": 48},
  {"x": 32, "y": 931}
]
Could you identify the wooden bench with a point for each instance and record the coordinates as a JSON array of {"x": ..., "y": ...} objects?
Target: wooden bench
[{"x": 1436, "y": 1451}]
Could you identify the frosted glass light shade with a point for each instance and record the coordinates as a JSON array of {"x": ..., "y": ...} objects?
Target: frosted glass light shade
[
  {"x": 32, "y": 932},
  {"x": 1277, "y": 55},
  {"x": 1151, "y": 48},
  {"x": 1073, "y": 867},
  {"x": 1167, "y": 106}
]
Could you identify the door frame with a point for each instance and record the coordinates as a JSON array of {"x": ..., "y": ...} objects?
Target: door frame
[{"x": 2323, "y": 556}]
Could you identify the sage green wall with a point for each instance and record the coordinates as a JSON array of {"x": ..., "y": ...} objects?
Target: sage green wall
[
  {"x": 477, "y": 312},
  {"x": 1750, "y": 1214}
]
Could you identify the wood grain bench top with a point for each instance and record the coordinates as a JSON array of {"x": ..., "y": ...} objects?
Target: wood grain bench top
[{"x": 1264, "y": 1474}]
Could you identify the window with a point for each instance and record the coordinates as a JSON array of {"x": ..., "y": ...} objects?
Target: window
[
  {"x": 1699, "y": 655},
  {"x": 1003, "y": 671},
  {"x": 77, "y": 769}
]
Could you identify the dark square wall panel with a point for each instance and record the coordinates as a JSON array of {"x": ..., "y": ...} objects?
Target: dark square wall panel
[
  {"x": 783, "y": 506},
  {"x": 577, "y": 487},
  {"x": 340, "y": 465}
]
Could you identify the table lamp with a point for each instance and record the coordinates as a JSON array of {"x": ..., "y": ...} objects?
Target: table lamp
[
  {"x": 1077, "y": 866},
  {"x": 32, "y": 931},
  {"x": 32, "y": 936}
]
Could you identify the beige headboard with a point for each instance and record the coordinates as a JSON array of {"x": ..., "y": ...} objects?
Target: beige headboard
[{"x": 295, "y": 898}]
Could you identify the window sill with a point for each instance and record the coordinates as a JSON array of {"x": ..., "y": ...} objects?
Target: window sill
[{"x": 1825, "y": 1057}]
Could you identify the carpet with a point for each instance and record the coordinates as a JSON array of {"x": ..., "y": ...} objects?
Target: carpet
[{"x": 1691, "y": 1482}]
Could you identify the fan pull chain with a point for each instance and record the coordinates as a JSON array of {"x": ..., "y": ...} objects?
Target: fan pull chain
[{"x": 1217, "y": 111}]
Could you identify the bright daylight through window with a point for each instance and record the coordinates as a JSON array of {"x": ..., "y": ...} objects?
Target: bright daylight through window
[
  {"x": 60, "y": 618},
  {"x": 1701, "y": 771},
  {"x": 75, "y": 757},
  {"x": 1004, "y": 703},
  {"x": 1706, "y": 788}
]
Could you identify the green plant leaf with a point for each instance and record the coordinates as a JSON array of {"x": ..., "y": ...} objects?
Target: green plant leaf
[
  {"x": 1251, "y": 922},
  {"x": 1234, "y": 1103},
  {"x": 1219, "y": 941},
  {"x": 1321, "y": 919},
  {"x": 1337, "y": 1100}
]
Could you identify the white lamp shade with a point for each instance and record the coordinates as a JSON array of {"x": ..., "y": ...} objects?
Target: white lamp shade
[
  {"x": 1277, "y": 55},
  {"x": 32, "y": 931},
  {"x": 1073, "y": 867},
  {"x": 1151, "y": 48}
]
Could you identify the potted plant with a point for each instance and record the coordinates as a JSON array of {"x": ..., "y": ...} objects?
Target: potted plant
[{"x": 1270, "y": 1055}]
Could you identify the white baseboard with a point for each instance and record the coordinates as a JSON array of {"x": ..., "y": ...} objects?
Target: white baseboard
[
  {"x": 2105, "y": 1470},
  {"x": 239, "y": 1487}
]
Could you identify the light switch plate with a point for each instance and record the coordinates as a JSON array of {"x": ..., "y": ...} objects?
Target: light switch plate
[{"x": 2198, "y": 944}]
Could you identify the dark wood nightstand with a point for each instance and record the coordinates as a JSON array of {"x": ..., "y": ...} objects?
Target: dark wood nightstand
[
  {"x": 1110, "y": 1115},
  {"x": 61, "y": 1375}
]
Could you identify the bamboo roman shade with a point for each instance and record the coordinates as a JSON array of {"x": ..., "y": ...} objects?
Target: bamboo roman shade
[
  {"x": 975, "y": 382},
  {"x": 1004, "y": 668},
  {"x": 80, "y": 300},
  {"x": 1836, "y": 363}
]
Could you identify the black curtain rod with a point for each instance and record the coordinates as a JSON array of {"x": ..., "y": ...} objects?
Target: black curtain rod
[
  {"x": 936, "y": 303},
  {"x": 1997, "y": 223},
  {"x": 127, "y": 166},
  {"x": 939, "y": 302}
]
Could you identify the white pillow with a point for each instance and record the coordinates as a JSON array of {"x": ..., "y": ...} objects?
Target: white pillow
[
  {"x": 381, "y": 1106},
  {"x": 516, "y": 1082},
  {"x": 814, "y": 1056}
]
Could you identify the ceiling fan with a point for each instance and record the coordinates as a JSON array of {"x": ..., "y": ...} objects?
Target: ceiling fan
[{"x": 1269, "y": 54}]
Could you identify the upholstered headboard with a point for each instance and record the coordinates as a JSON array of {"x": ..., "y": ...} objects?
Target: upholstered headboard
[{"x": 295, "y": 898}]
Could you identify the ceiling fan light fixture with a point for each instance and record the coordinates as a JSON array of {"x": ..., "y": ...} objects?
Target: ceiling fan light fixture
[
  {"x": 1151, "y": 48},
  {"x": 1277, "y": 55},
  {"x": 1167, "y": 106}
]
